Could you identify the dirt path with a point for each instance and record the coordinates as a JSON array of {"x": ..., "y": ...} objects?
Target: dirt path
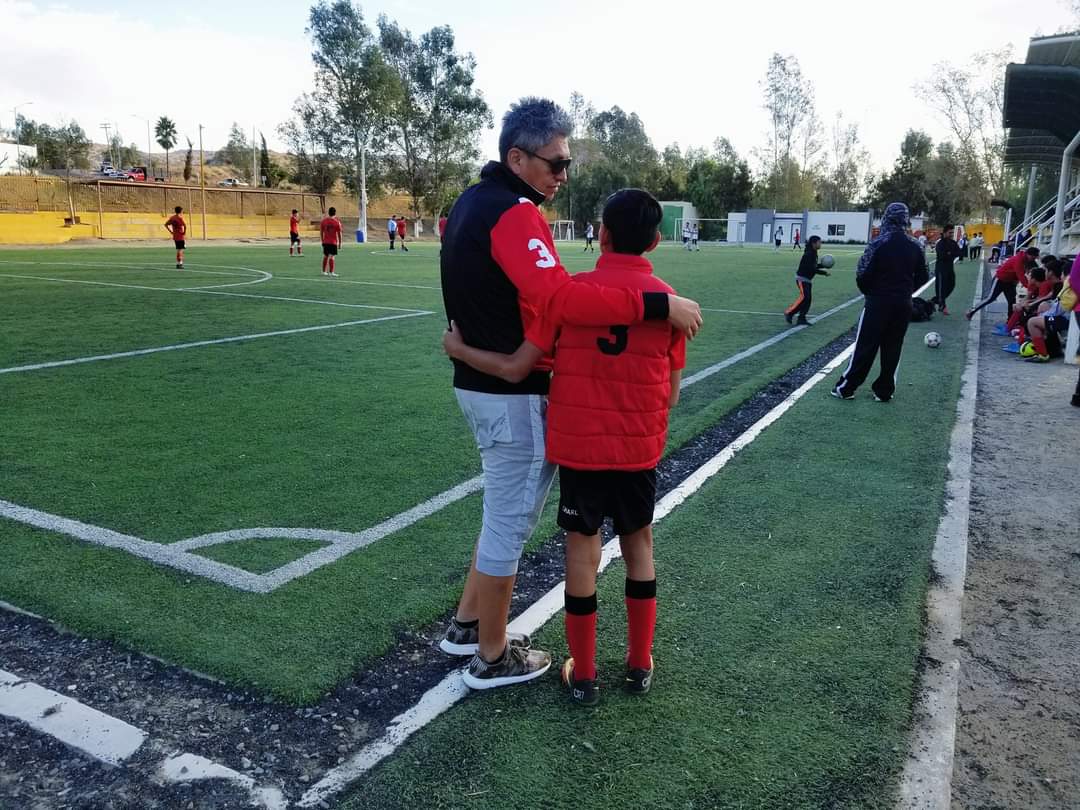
[{"x": 1018, "y": 729}]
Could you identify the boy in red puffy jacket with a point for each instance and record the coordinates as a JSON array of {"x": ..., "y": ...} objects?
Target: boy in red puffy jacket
[{"x": 607, "y": 424}]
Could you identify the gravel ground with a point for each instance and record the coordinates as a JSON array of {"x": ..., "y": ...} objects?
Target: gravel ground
[
  {"x": 1018, "y": 729},
  {"x": 278, "y": 745}
]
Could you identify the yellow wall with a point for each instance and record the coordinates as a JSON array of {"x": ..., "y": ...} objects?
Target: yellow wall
[
  {"x": 992, "y": 232},
  {"x": 47, "y": 228}
]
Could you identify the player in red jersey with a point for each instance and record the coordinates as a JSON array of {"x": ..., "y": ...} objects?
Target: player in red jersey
[
  {"x": 1010, "y": 273},
  {"x": 294, "y": 234},
  {"x": 607, "y": 423},
  {"x": 177, "y": 228},
  {"x": 330, "y": 233},
  {"x": 402, "y": 226}
]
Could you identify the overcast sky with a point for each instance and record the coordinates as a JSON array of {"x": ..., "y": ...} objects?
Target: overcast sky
[{"x": 691, "y": 70}]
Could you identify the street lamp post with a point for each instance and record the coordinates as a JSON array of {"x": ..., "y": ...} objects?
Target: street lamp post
[{"x": 18, "y": 151}]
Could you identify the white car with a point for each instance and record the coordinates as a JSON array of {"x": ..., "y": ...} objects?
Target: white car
[{"x": 233, "y": 182}]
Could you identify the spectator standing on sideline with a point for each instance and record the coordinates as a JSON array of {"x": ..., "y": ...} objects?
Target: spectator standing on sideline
[
  {"x": 391, "y": 230},
  {"x": 947, "y": 252},
  {"x": 890, "y": 269},
  {"x": 294, "y": 233},
  {"x": 798, "y": 240},
  {"x": 589, "y": 238},
  {"x": 176, "y": 226},
  {"x": 500, "y": 273}
]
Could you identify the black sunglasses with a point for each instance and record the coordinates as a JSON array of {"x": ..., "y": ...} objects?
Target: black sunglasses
[{"x": 557, "y": 166}]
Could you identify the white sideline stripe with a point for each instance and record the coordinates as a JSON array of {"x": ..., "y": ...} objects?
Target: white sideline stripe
[
  {"x": 193, "y": 768},
  {"x": 740, "y": 311},
  {"x": 209, "y": 291},
  {"x": 178, "y": 346},
  {"x": 365, "y": 283},
  {"x": 926, "y": 781},
  {"x": 735, "y": 358},
  {"x": 452, "y": 689},
  {"x": 188, "y": 270},
  {"x": 103, "y": 737}
]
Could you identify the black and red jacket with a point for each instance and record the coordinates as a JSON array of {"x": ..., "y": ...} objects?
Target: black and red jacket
[{"x": 500, "y": 271}]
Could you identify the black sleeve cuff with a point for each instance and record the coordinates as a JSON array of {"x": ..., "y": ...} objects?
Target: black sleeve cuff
[{"x": 656, "y": 306}]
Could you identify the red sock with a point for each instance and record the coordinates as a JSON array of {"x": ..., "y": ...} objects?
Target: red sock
[
  {"x": 640, "y": 622},
  {"x": 290, "y": 250},
  {"x": 324, "y": 259},
  {"x": 581, "y": 635},
  {"x": 1040, "y": 344},
  {"x": 331, "y": 264},
  {"x": 179, "y": 257},
  {"x": 1014, "y": 320}
]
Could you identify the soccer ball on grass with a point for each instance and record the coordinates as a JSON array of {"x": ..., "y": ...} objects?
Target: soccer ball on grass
[
  {"x": 827, "y": 261},
  {"x": 932, "y": 339}
]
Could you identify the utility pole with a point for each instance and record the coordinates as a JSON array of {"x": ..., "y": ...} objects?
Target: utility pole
[
  {"x": 254, "y": 160},
  {"x": 202, "y": 183},
  {"x": 18, "y": 151},
  {"x": 149, "y": 158},
  {"x": 108, "y": 145}
]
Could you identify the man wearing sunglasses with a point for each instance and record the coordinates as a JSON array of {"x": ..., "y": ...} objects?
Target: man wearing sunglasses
[{"x": 500, "y": 273}]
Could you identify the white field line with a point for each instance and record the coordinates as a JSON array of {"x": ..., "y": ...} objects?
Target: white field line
[
  {"x": 105, "y": 738},
  {"x": 926, "y": 782},
  {"x": 735, "y": 358},
  {"x": 740, "y": 311},
  {"x": 191, "y": 768},
  {"x": 365, "y": 283},
  {"x": 209, "y": 291},
  {"x": 196, "y": 344},
  {"x": 189, "y": 270},
  {"x": 452, "y": 689}
]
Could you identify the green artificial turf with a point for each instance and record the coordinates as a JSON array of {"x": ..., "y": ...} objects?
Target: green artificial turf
[
  {"x": 336, "y": 429},
  {"x": 791, "y": 589}
]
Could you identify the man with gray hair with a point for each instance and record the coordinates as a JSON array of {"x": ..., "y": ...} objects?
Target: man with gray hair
[{"x": 500, "y": 274}]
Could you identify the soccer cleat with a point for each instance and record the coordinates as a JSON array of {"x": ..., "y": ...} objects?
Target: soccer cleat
[
  {"x": 803, "y": 322},
  {"x": 944, "y": 310},
  {"x": 179, "y": 265},
  {"x": 1001, "y": 330},
  {"x": 460, "y": 640},
  {"x": 881, "y": 399},
  {"x": 587, "y": 693},
  {"x": 515, "y": 665},
  {"x": 836, "y": 393},
  {"x": 1012, "y": 348},
  {"x": 968, "y": 315},
  {"x": 639, "y": 681},
  {"x": 1037, "y": 358},
  {"x": 787, "y": 317},
  {"x": 325, "y": 272},
  {"x": 332, "y": 273},
  {"x": 1075, "y": 400}
]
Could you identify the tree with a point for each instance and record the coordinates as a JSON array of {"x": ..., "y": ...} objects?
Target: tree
[
  {"x": 271, "y": 173},
  {"x": 165, "y": 133},
  {"x": 845, "y": 173},
  {"x": 971, "y": 101},
  {"x": 63, "y": 147},
  {"x": 955, "y": 187},
  {"x": 789, "y": 100},
  {"x": 623, "y": 140},
  {"x": 435, "y": 113},
  {"x": 908, "y": 182},
  {"x": 124, "y": 155},
  {"x": 236, "y": 152},
  {"x": 314, "y": 140},
  {"x": 351, "y": 74},
  {"x": 719, "y": 183},
  {"x": 189, "y": 159}
]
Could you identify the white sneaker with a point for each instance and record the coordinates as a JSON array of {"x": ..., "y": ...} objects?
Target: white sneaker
[{"x": 333, "y": 274}]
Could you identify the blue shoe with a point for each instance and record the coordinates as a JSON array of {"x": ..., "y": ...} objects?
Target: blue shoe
[
  {"x": 1001, "y": 330},
  {"x": 1012, "y": 348}
]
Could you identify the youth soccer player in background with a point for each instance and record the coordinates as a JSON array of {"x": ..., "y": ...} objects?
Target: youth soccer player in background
[
  {"x": 294, "y": 234},
  {"x": 804, "y": 278},
  {"x": 330, "y": 233},
  {"x": 177, "y": 228}
]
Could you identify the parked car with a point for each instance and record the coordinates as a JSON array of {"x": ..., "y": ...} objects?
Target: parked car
[{"x": 233, "y": 182}]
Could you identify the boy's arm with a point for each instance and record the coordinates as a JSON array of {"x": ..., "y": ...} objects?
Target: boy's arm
[
  {"x": 510, "y": 367},
  {"x": 676, "y": 378}
]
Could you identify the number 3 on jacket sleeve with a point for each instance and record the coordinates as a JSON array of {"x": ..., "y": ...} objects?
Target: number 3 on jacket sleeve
[{"x": 546, "y": 259}]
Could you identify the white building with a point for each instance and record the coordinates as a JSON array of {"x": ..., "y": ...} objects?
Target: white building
[
  {"x": 9, "y": 156},
  {"x": 764, "y": 226}
]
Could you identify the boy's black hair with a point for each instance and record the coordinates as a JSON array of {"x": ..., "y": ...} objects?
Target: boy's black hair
[
  {"x": 294, "y": 210},
  {"x": 332, "y": 211},
  {"x": 631, "y": 216},
  {"x": 177, "y": 210},
  {"x": 1038, "y": 274},
  {"x": 948, "y": 228},
  {"x": 814, "y": 238},
  {"x": 1033, "y": 252}
]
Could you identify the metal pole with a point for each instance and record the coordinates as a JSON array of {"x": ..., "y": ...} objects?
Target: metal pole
[
  {"x": 266, "y": 204},
  {"x": 254, "y": 160},
  {"x": 1063, "y": 190},
  {"x": 149, "y": 154},
  {"x": 202, "y": 183},
  {"x": 100, "y": 215},
  {"x": 1031, "y": 193},
  {"x": 363, "y": 191}
]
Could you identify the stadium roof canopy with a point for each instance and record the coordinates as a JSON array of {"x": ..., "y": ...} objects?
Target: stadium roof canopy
[{"x": 1042, "y": 100}]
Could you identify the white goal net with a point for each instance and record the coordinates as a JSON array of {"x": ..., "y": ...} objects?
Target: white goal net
[{"x": 562, "y": 230}]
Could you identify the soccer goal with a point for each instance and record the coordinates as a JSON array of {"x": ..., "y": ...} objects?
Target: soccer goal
[
  {"x": 562, "y": 230},
  {"x": 709, "y": 230}
]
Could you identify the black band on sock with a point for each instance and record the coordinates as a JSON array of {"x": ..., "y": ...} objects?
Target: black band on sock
[
  {"x": 640, "y": 588},
  {"x": 656, "y": 306},
  {"x": 473, "y": 623},
  {"x": 581, "y": 605}
]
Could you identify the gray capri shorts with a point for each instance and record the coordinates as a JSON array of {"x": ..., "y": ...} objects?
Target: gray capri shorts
[{"x": 509, "y": 430}]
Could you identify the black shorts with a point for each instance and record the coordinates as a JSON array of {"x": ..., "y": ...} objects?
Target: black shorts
[
  {"x": 778, "y": 243},
  {"x": 1058, "y": 323},
  {"x": 294, "y": 238},
  {"x": 586, "y": 497},
  {"x": 179, "y": 244},
  {"x": 329, "y": 250}
]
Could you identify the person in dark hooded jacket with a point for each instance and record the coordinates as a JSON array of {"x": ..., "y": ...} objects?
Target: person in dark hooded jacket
[{"x": 890, "y": 269}]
